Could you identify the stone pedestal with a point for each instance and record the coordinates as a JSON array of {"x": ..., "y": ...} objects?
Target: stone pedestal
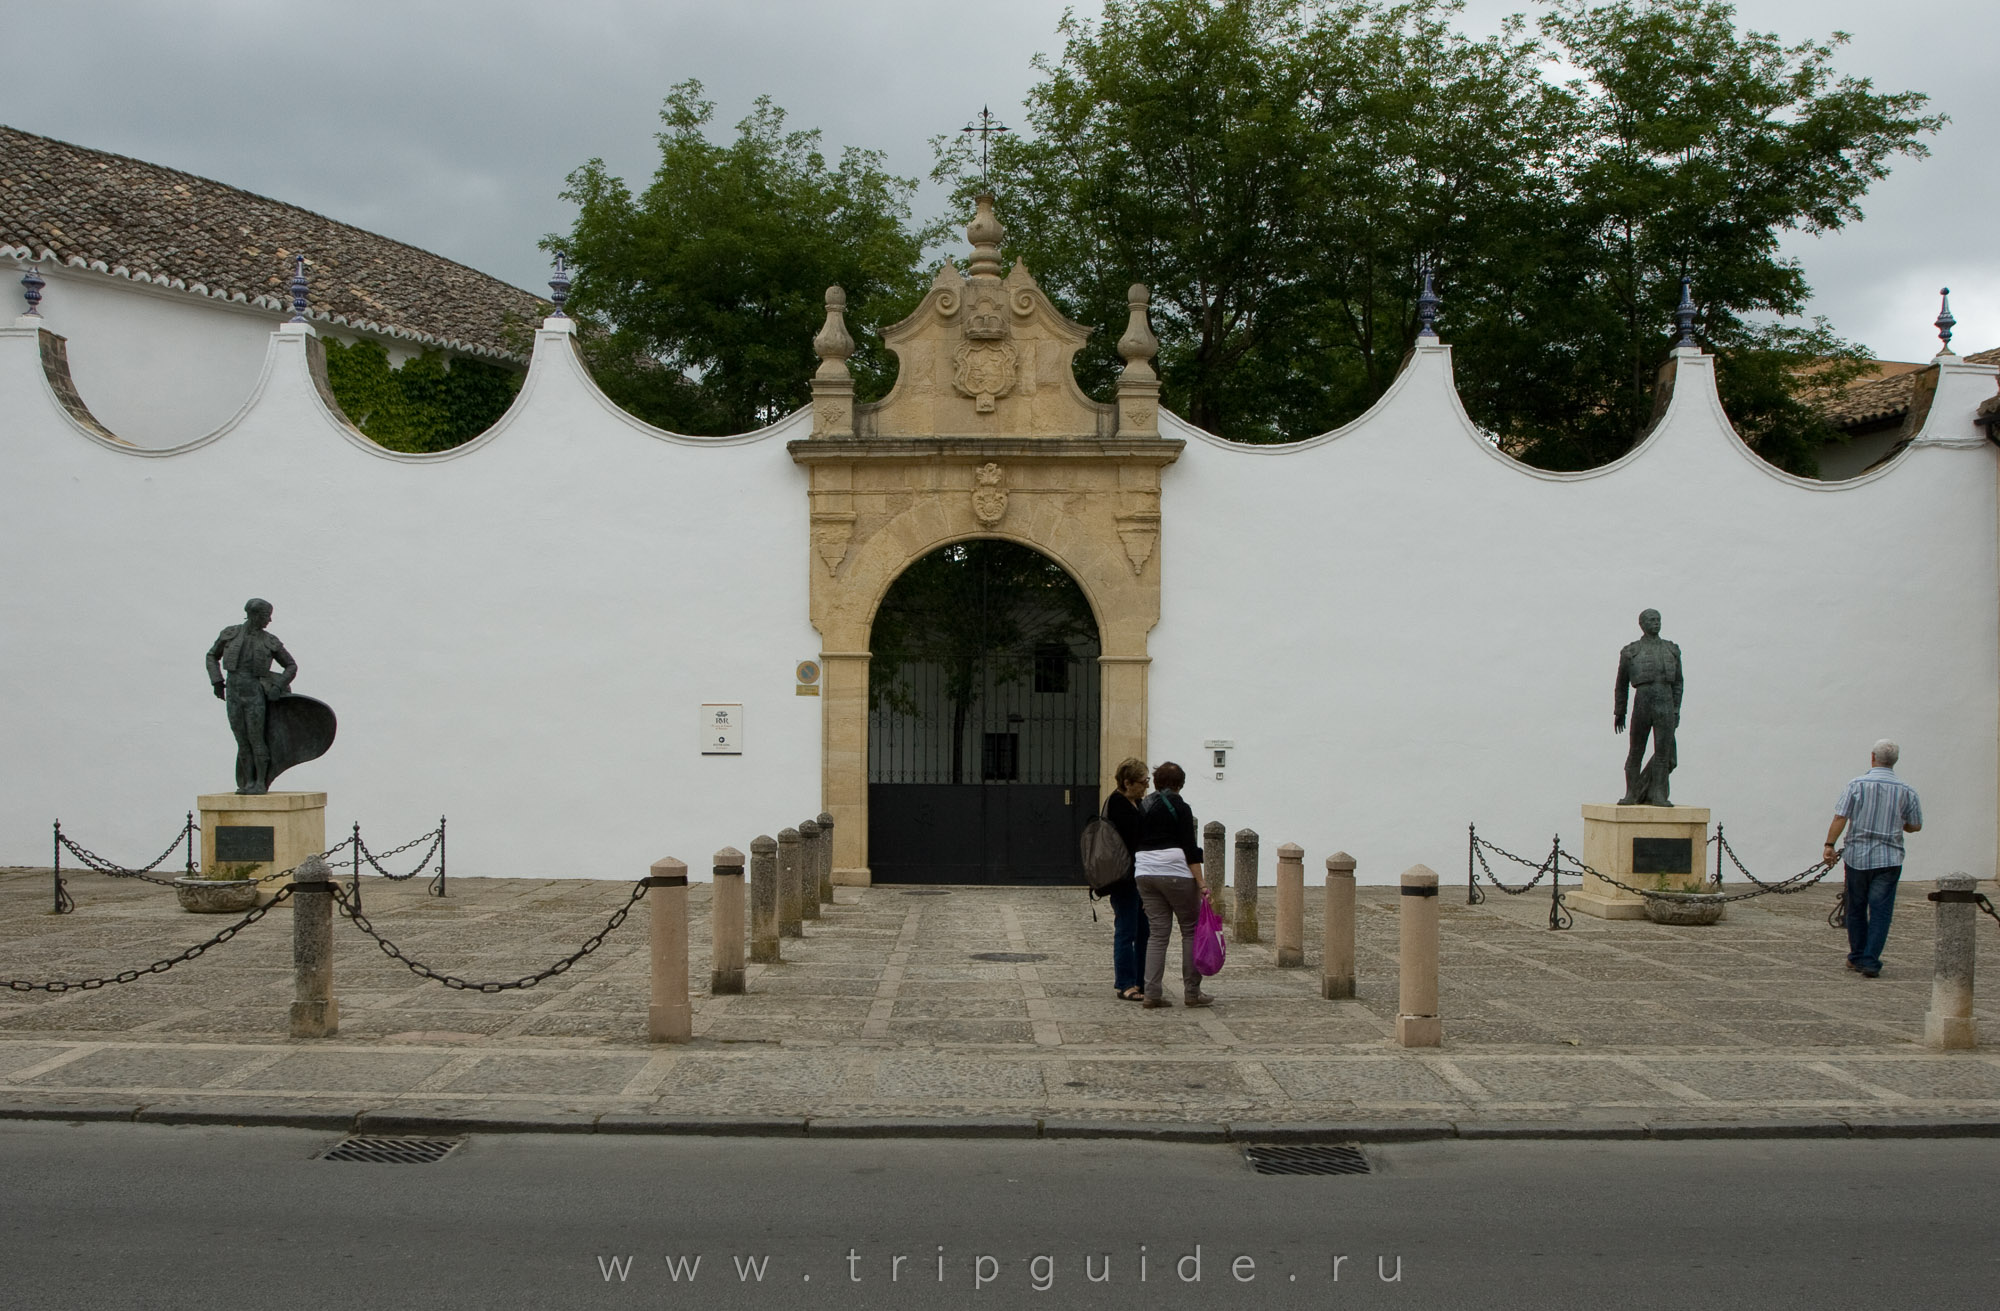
[
  {"x": 271, "y": 833},
  {"x": 1662, "y": 848}
]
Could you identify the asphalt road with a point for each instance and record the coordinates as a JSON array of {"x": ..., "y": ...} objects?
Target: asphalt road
[{"x": 116, "y": 1215}]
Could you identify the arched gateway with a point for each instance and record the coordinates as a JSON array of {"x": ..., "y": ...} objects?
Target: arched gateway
[{"x": 986, "y": 435}]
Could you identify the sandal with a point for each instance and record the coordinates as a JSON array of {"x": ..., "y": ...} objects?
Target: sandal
[{"x": 1132, "y": 994}]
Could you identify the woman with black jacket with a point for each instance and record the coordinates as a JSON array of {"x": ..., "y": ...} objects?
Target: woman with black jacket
[{"x": 1128, "y": 917}]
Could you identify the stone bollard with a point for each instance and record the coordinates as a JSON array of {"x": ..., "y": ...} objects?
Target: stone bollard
[
  {"x": 1291, "y": 906},
  {"x": 670, "y": 1018},
  {"x": 315, "y": 1014},
  {"x": 1336, "y": 965},
  {"x": 725, "y": 918},
  {"x": 809, "y": 840},
  {"x": 1215, "y": 866},
  {"x": 764, "y": 901},
  {"x": 790, "y": 913},
  {"x": 1949, "y": 1025},
  {"x": 1417, "y": 1022},
  {"x": 826, "y": 858},
  {"x": 1246, "y": 886}
]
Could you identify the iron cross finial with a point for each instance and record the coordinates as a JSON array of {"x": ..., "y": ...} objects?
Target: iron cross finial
[{"x": 985, "y": 129}]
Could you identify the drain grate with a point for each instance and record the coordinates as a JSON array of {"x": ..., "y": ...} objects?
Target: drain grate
[
  {"x": 1015, "y": 956},
  {"x": 1273, "y": 1159},
  {"x": 928, "y": 892},
  {"x": 391, "y": 1151}
]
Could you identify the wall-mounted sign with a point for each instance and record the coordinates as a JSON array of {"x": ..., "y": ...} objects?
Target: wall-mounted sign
[
  {"x": 722, "y": 729},
  {"x": 808, "y": 672}
]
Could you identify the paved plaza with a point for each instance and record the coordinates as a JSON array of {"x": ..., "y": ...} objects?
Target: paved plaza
[{"x": 987, "y": 1010}]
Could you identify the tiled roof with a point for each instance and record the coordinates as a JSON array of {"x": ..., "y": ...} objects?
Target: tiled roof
[
  {"x": 1883, "y": 399},
  {"x": 84, "y": 208}
]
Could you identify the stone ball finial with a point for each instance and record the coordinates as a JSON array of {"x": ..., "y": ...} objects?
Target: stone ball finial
[
  {"x": 1138, "y": 346},
  {"x": 985, "y": 233},
  {"x": 833, "y": 343}
]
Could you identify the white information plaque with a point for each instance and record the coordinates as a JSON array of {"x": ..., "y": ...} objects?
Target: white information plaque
[{"x": 722, "y": 729}]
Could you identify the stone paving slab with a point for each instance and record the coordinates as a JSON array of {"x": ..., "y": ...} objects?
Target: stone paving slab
[{"x": 880, "y": 1021}]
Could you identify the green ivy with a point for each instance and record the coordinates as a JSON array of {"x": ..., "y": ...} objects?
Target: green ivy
[{"x": 432, "y": 403}]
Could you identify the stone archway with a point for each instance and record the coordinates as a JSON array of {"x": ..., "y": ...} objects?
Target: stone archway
[{"x": 985, "y": 434}]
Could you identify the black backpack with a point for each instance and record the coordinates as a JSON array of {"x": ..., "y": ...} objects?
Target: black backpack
[{"x": 1106, "y": 859}]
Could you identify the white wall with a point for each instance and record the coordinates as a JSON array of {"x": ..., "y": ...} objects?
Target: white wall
[
  {"x": 1402, "y": 630},
  {"x": 517, "y": 633},
  {"x": 162, "y": 366},
  {"x": 1406, "y": 632}
]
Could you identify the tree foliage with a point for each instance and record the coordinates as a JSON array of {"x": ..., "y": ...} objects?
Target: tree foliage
[
  {"x": 1281, "y": 170},
  {"x": 431, "y": 403},
  {"x": 704, "y": 291}
]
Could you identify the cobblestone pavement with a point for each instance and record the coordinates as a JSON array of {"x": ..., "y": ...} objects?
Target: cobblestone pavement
[{"x": 895, "y": 1006}]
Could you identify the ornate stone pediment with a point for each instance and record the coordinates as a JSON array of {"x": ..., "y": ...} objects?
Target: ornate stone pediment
[{"x": 985, "y": 356}]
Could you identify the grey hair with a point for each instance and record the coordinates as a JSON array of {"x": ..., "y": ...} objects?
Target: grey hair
[{"x": 1885, "y": 753}]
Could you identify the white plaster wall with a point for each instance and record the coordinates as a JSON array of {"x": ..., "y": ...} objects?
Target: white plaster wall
[
  {"x": 1402, "y": 630},
  {"x": 161, "y": 366},
  {"x": 517, "y": 634},
  {"x": 1405, "y": 632}
]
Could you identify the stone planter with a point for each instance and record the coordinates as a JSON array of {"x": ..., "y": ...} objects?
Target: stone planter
[
  {"x": 1685, "y": 907},
  {"x": 216, "y": 896}
]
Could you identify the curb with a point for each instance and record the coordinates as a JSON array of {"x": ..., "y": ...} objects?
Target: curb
[{"x": 387, "y": 1120}]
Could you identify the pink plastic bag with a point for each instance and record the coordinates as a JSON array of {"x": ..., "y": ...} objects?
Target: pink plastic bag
[{"x": 1209, "y": 948}]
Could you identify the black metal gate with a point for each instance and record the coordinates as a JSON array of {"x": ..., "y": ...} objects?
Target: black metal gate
[{"x": 983, "y": 721}]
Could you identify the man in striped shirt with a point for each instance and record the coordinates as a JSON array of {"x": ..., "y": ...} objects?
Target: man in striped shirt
[{"x": 1878, "y": 809}]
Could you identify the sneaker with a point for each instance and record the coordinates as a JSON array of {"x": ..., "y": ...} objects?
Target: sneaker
[
  {"x": 1871, "y": 974},
  {"x": 1852, "y": 966},
  {"x": 1154, "y": 1003},
  {"x": 1200, "y": 999}
]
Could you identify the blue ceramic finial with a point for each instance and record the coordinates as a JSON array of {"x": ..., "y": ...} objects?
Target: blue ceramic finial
[
  {"x": 559, "y": 285},
  {"x": 298, "y": 288},
  {"x": 1684, "y": 320},
  {"x": 1427, "y": 308},
  {"x": 1944, "y": 320},
  {"x": 31, "y": 288}
]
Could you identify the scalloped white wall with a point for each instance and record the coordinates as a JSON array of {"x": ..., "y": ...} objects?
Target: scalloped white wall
[{"x": 1401, "y": 630}]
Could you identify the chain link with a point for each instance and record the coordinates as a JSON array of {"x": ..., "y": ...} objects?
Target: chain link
[
  {"x": 1787, "y": 885},
  {"x": 394, "y": 952},
  {"x": 96, "y": 862},
  {"x": 1541, "y": 870},
  {"x": 158, "y": 966},
  {"x": 435, "y": 837}
]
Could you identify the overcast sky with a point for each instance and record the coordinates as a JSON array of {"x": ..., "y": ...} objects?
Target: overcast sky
[{"x": 451, "y": 125}]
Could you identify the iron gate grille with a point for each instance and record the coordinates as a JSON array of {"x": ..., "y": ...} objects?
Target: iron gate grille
[{"x": 983, "y": 721}]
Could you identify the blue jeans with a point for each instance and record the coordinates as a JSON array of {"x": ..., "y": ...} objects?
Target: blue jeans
[
  {"x": 1128, "y": 936},
  {"x": 1871, "y": 900}
]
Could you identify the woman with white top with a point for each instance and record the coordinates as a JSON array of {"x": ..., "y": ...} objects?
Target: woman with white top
[{"x": 1167, "y": 865}]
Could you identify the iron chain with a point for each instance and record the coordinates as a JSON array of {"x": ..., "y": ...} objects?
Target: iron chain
[
  {"x": 1787, "y": 885},
  {"x": 394, "y": 952},
  {"x": 158, "y": 966},
  {"x": 1541, "y": 869},
  {"x": 96, "y": 862},
  {"x": 435, "y": 837}
]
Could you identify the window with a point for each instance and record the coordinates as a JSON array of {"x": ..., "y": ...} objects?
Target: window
[
  {"x": 1000, "y": 760},
  {"x": 1052, "y": 668}
]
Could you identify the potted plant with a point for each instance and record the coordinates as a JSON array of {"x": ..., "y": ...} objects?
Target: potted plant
[{"x": 221, "y": 889}]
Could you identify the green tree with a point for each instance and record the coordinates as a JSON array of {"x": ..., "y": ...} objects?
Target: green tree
[
  {"x": 431, "y": 403},
  {"x": 1691, "y": 148},
  {"x": 702, "y": 293},
  {"x": 1281, "y": 170}
]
